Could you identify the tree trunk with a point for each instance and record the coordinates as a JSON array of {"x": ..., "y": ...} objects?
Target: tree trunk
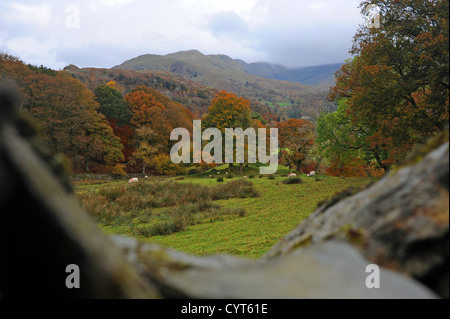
[
  {"x": 380, "y": 162},
  {"x": 299, "y": 165}
]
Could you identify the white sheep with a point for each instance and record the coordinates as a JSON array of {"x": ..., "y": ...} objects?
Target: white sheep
[
  {"x": 311, "y": 174},
  {"x": 292, "y": 175},
  {"x": 245, "y": 177},
  {"x": 133, "y": 180}
]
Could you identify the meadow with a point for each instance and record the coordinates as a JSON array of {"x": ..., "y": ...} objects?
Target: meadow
[{"x": 203, "y": 216}]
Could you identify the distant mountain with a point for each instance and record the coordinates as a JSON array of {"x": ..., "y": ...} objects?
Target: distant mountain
[
  {"x": 320, "y": 77},
  {"x": 219, "y": 72},
  {"x": 262, "y": 83},
  {"x": 223, "y": 72}
]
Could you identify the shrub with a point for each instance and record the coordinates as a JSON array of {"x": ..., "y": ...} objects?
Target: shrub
[
  {"x": 271, "y": 176},
  {"x": 292, "y": 180},
  {"x": 240, "y": 211},
  {"x": 219, "y": 179},
  {"x": 181, "y": 178},
  {"x": 165, "y": 206},
  {"x": 194, "y": 171},
  {"x": 230, "y": 176},
  {"x": 236, "y": 188},
  {"x": 112, "y": 193},
  {"x": 251, "y": 176}
]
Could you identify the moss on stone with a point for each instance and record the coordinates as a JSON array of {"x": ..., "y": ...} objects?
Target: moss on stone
[{"x": 301, "y": 242}]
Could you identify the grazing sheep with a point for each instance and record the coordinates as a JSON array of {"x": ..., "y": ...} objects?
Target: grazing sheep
[
  {"x": 292, "y": 175},
  {"x": 311, "y": 174},
  {"x": 245, "y": 177},
  {"x": 146, "y": 176},
  {"x": 133, "y": 180}
]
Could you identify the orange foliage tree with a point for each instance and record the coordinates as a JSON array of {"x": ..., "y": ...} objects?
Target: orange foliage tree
[
  {"x": 227, "y": 110},
  {"x": 296, "y": 137},
  {"x": 66, "y": 113},
  {"x": 154, "y": 116}
]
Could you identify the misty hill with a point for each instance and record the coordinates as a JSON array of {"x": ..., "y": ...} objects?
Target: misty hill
[
  {"x": 223, "y": 72},
  {"x": 319, "y": 77}
]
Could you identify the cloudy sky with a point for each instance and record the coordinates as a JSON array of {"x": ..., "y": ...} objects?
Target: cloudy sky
[{"x": 104, "y": 33}]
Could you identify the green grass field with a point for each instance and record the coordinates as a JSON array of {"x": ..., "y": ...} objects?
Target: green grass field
[{"x": 267, "y": 218}]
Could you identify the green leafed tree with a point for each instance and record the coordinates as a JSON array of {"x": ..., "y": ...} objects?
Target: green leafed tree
[
  {"x": 113, "y": 105},
  {"x": 395, "y": 92}
]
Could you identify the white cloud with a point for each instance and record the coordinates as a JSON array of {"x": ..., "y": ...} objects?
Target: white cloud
[
  {"x": 292, "y": 32},
  {"x": 33, "y": 15},
  {"x": 116, "y": 2}
]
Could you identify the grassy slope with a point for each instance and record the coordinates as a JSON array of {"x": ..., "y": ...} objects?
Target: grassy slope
[
  {"x": 269, "y": 217},
  {"x": 218, "y": 71}
]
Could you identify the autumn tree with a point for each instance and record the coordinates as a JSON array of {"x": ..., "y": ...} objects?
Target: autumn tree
[
  {"x": 146, "y": 149},
  {"x": 154, "y": 116},
  {"x": 296, "y": 137},
  {"x": 230, "y": 111},
  {"x": 66, "y": 113},
  {"x": 394, "y": 92},
  {"x": 115, "y": 86},
  {"x": 151, "y": 108}
]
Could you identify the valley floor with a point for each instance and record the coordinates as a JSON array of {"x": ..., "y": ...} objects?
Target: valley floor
[{"x": 267, "y": 219}]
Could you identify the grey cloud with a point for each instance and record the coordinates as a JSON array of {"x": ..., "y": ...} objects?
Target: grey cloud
[
  {"x": 228, "y": 23},
  {"x": 297, "y": 47},
  {"x": 287, "y": 32},
  {"x": 95, "y": 55}
]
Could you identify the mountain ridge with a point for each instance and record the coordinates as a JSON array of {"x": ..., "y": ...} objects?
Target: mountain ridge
[{"x": 201, "y": 68}]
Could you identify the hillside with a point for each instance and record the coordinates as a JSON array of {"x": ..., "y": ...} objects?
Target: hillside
[
  {"x": 287, "y": 98},
  {"x": 283, "y": 100},
  {"x": 194, "y": 96},
  {"x": 223, "y": 72},
  {"x": 218, "y": 71}
]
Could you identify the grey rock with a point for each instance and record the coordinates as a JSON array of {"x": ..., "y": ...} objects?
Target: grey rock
[
  {"x": 400, "y": 222},
  {"x": 331, "y": 270}
]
